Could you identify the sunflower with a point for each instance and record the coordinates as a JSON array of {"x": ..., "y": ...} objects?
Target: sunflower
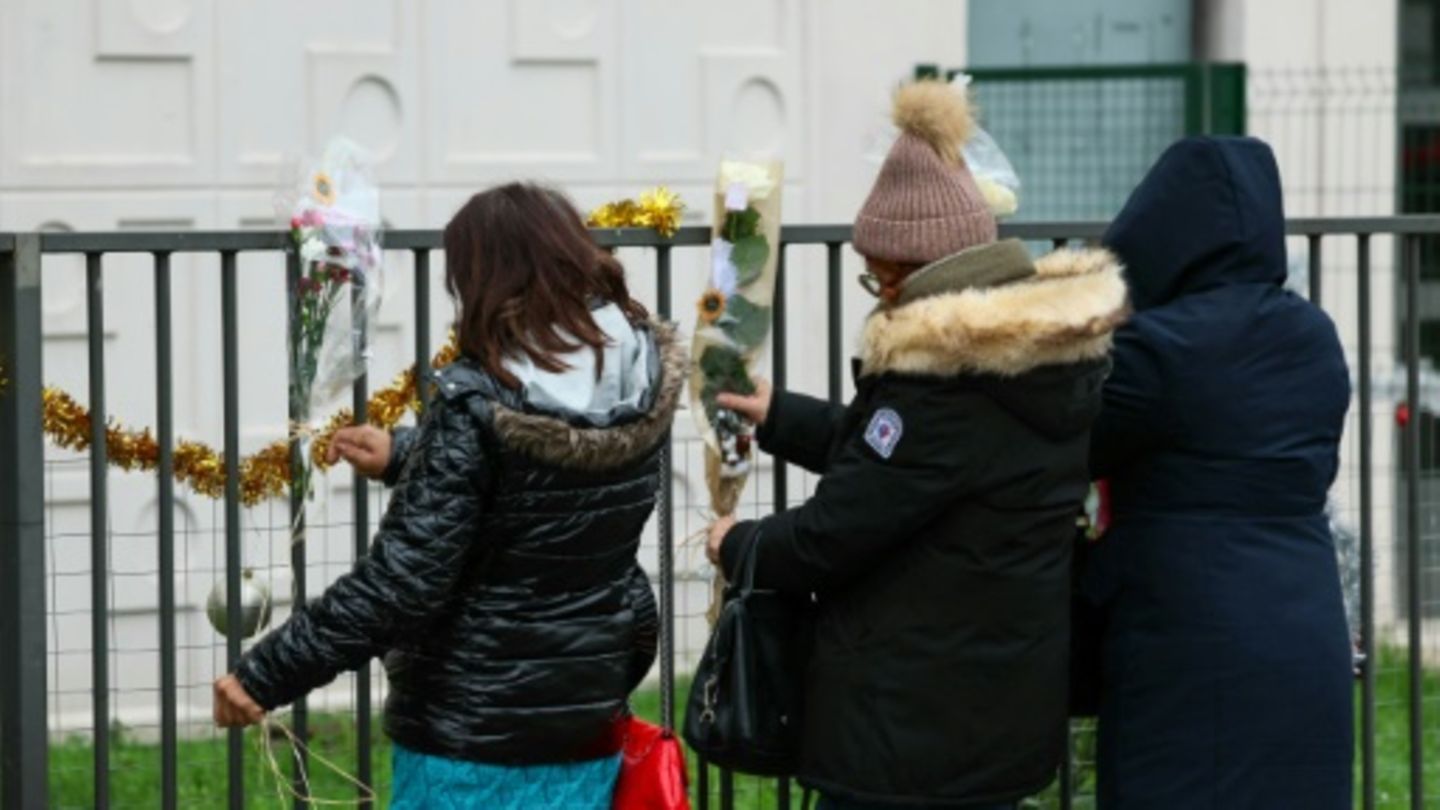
[
  {"x": 324, "y": 189},
  {"x": 712, "y": 306}
]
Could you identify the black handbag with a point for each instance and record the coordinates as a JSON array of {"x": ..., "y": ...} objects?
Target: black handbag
[{"x": 745, "y": 702}]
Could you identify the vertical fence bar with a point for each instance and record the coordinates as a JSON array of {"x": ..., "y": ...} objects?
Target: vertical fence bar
[
  {"x": 778, "y": 368},
  {"x": 1067, "y": 764},
  {"x": 702, "y": 783},
  {"x": 1067, "y": 770},
  {"x": 360, "y": 404},
  {"x": 834, "y": 347},
  {"x": 702, "y": 768},
  {"x": 1412, "y": 520},
  {"x": 300, "y": 714},
  {"x": 1316, "y": 282},
  {"x": 782, "y": 495},
  {"x": 663, "y": 294},
  {"x": 24, "y": 743},
  {"x": 165, "y": 484},
  {"x": 99, "y": 541},
  {"x": 422, "y": 323},
  {"x": 230, "y": 391},
  {"x": 1367, "y": 528}
]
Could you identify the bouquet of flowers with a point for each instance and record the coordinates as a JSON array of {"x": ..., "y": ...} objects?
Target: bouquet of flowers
[
  {"x": 734, "y": 323},
  {"x": 335, "y": 224},
  {"x": 734, "y": 317}
]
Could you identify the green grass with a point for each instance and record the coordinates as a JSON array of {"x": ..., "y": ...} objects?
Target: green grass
[
  {"x": 135, "y": 765},
  {"x": 1392, "y": 732},
  {"x": 202, "y": 782}
]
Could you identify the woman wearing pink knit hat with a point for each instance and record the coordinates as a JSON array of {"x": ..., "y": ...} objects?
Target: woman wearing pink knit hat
[{"x": 938, "y": 539}]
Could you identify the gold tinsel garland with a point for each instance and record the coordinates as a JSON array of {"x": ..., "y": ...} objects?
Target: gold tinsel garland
[
  {"x": 264, "y": 475},
  {"x": 659, "y": 208}
]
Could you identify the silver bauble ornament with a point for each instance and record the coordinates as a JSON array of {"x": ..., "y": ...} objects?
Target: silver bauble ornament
[{"x": 254, "y": 606}]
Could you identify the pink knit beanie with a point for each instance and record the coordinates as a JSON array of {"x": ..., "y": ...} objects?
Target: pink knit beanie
[{"x": 925, "y": 204}]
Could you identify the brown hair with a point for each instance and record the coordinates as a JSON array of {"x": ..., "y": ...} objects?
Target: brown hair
[
  {"x": 889, "y": 278},
  {"x": 523, "y": 269}
]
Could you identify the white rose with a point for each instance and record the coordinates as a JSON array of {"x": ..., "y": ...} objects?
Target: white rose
[{"x": 754, "y": 177}]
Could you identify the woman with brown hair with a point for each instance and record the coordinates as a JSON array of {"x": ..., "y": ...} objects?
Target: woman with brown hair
[{"x": 502, "y": 588}]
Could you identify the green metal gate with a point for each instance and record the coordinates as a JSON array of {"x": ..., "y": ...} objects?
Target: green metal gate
[{"x": 1082, "y": 137}]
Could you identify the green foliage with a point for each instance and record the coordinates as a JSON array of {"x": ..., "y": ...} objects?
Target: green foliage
[
  {"x": 741, "y": 224},
  {"x": 749, "y": 257},
  {"x": 723, "y": 370},
  {"x": 745, "y": 323}
]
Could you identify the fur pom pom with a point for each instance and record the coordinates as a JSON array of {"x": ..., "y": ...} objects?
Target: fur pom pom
[{"x": 938, "y": 113}]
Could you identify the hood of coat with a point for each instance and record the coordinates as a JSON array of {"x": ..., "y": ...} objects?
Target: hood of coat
[
  {"x": 630, "y": 430},
  {"x": 1061, "y": 309},
  {"x": 1208, "y": 214}
]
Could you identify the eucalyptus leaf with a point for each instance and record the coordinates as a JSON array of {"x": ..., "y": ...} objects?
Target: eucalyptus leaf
[
  {"x": 740, "y": 224},
  {"x": 749, "y": 257},
  {"x": 745, "y": 323},
  {"x": 723, "y": 367}
]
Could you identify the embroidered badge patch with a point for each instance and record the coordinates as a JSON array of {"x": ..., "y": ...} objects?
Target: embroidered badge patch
[{"x": 884, "y": 432}]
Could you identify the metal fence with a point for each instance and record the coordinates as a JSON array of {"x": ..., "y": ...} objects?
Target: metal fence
[{"x": 1354, "y": 267}]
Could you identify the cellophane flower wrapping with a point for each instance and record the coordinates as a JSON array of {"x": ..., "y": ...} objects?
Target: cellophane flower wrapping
[
  {"x": 994, "y": 174},
  {"x": 1347, "y": 558},
  {"x": 734, "y": 317},
  {"x": 734, "y": 313},
  {"x": 334, "y": 218}
]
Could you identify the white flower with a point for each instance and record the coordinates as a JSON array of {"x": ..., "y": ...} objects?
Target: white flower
[
  {"x": 313, "y": 249},
  {"x": 755, "y": 178}
]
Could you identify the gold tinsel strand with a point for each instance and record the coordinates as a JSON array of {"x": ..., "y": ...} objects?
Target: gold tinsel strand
[
  {"x": 264, "y": 475},
  {"x": 658, "y": 209}
]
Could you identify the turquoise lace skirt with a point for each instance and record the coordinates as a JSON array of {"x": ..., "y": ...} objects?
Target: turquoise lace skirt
[{"x": 423, "y": 782}]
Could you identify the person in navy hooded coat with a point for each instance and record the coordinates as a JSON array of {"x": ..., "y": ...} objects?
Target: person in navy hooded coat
[{"x": 1226, "y": 676}]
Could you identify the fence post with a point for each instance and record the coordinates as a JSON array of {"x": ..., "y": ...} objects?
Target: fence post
[{"x": 23, "y": 735}]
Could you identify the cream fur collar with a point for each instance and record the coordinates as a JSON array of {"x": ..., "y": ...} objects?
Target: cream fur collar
[{"x": 1066, "y": 313}]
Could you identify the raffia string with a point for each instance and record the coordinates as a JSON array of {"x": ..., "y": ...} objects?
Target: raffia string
[
  {"x": 725, "y": 498},
  {"x": 297, "y": 747}
]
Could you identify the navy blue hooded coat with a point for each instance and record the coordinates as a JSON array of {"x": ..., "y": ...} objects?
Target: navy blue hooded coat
[{"x": 1226, "y": 661}]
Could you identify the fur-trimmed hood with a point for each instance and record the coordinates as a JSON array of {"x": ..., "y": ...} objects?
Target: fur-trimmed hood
[
  {"x": 1062, "y": 309},
  {"x": 553, "y": 439}
]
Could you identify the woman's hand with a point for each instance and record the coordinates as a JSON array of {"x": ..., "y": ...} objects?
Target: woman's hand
[
  {"x": 366, "y": 447},
  {"x": 234, "y": 708},
  {"x": 718, "y": 530},
  {"x": 753, "y": 407}
]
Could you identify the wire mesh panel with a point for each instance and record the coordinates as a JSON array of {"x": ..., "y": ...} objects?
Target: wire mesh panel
[{"x": 1081, "y": 137}]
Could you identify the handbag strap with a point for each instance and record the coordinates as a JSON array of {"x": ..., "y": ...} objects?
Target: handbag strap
[{"x": 746, "y": 578}]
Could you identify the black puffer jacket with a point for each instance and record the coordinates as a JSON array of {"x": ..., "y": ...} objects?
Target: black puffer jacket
[
  {"x": 938, "y": 538},
  {"x": 502, "y": 588}
]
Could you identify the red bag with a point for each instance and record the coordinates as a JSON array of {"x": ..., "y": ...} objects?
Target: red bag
[{"x": 652, "y": 770}]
